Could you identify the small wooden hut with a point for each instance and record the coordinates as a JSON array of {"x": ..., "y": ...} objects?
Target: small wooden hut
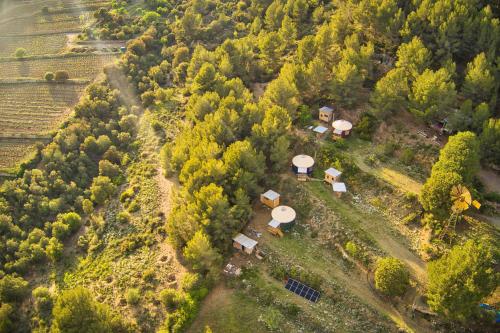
[
  {"x": 339, "y": 188},
  {"x": 270, "y": 199},
  {"x": 244, "y": 243},
  {"x": 341, "y": 128},
  {"x": 302, "y": 166},
  {"x": 332, "y": 175},
  {"x": 274, "y": 228},
  {"x": 326, "y": 114}
]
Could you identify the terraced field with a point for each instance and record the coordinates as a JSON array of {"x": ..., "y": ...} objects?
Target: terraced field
[
  {"x": 34, "y": 45},
  {"x": 30, "y": 109},
  {"x": 36, "y": 108},
  {"x": 12, "y": 151},
  {"x": 85, "y": 66}
]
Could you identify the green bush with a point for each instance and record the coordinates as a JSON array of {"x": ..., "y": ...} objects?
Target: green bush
[
  {"x": 49, "y": 76},
  {"x": 61, "y": 76},
  {"x": 168, "y": 297},
  {"x": 43, "y": 301},
  {"x": 20, "y": 52},
  {"x": 133, "y": 296},
  {"x": 353, "y": 250},
  {"x": 407, "y": 156},
  {"x": 366, "y": 126},
  {"x": 13, "y": 289},
  {"x": 391, "y": 277}
]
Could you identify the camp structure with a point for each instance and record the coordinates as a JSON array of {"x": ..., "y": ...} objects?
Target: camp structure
[
  {"x": 283, "y": 217},
  {"x": 326, "y": 114},
  {"x": 341, "y": 128},
  {"x": 332, "y": 175},
  {"x": 302, "y": 166},
  {"x": 339, "y": 188},
  {"x": 244, "y": 243},
  {"x": 270, "y": 199},
  {"x": 274, "y": 228},
  {"x": 320, "y": 130}
]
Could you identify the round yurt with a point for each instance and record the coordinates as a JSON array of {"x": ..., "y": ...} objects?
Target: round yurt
[
  {"x": 285, "y": 216},
  {"x": 302, "y": 164},
  {"x": 341, "y": 128}
]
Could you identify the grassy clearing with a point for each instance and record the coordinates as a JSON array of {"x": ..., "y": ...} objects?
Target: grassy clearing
[
  {"x": 36, "y": 108},
  {"x": 226, "y": 310},
  {"x": 81, "y": 66}
]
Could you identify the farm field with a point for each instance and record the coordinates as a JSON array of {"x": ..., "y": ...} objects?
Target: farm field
[
  {"x": 36, "y": 108},
  {"x": 42, "y": 29},
  {"x": 81, "y": 66},
  {"x": 34, "y": 45},
  {"x": 14, "y": 150}
]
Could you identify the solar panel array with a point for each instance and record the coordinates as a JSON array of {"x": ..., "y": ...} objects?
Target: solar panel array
[{"x": 302, "y": 290}]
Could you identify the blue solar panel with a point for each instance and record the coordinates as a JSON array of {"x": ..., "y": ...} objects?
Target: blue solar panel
[{"x": 302, "y": 290}]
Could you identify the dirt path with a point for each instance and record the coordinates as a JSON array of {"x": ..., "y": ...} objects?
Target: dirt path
[
  {"x": 490, "y": 179},
  {"x": 393, "y": 177}
]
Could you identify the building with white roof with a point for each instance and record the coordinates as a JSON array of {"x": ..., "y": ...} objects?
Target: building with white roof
[
  {"x": 302, "y": 164},
  {"x": 244, "y": 243},
  {"x": 270, "y": 198},
  {"x": 332, "y": 175},
  {"x": 326, "y": 114},
  {"x": 339, "y": 188},
  {"x": 341, "y": 128}
]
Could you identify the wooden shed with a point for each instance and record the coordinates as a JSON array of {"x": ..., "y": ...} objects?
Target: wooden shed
[
  {"x": 274, "y": 228},
  {"x": 302, "y": 165},
  {"x": 326, "y": 114},
  {"x": 270, "y": 199},
  {"x": 339, "y": 188},
  {"x": 332, "y": 175},
  {"x": 244, "y": 243},
  {"x": 341, "y": 128}
]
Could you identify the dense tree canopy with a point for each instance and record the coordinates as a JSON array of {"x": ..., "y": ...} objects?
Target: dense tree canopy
[{"x": 461, "y": 279}]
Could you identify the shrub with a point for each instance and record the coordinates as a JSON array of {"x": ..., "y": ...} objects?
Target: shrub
[
  {"x": 43, "y": 300},
  {"x": 13, "y": 289},
  {"x": 133, "y": 296},
  {"x": 272, "y": 319},
  {"x": 123, "y": 217},
  {"x": 391, "y": 277},
  {"x": 353, "y": 249},
  {"x": 366, "y": 126},
  {"x": 168, "y": 297},
  {"x": 49, "y": 76},
  {"x": 20, "y": 52},
  {"x": 407, "y": 156},
  {"x": 61, "y": 75},
  {"x": 6, "y": 318}
]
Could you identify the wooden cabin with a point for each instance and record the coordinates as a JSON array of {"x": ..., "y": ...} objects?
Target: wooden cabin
[
  {"x": 339, "y": 188},
  {"x": 274, "y": 228},
  {"x": 332, "y": 175},
  {"x": 271, "y": 199},
  {"x": 244, "y": 243},
  {"x": 341, "y": 128},
  {"x": 326, "y": 114}
]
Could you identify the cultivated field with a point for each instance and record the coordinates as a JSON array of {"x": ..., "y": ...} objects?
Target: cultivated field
[
  {"x": 14, "y": 150},
  {"x": 35, "y": 108},
  {"x": 34, "y": 45},
  {"x": 31, "y": 109},
  {"x": 86, "y": 66}
]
